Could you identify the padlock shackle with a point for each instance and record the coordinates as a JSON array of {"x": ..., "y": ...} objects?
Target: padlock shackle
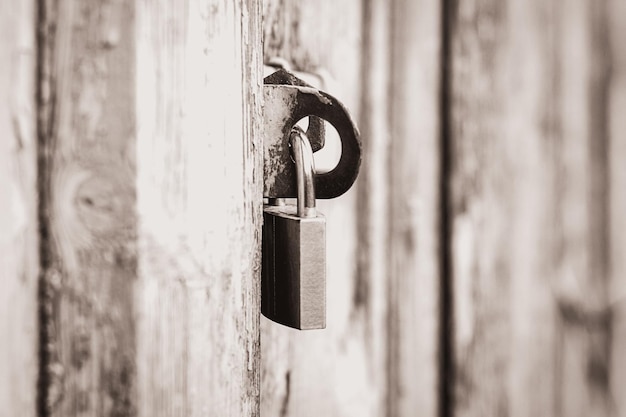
[
  {"x": 285, "y": 105},
  {"x": 305, "y": 172}
]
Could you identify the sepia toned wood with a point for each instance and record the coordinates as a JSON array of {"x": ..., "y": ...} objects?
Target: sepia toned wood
[
  {"x": 372, "y": 281},
  {"x": 500, "y": 206},
  {"x": 529, "y": 193},
  {"x": 378, "y": 355},
  {"x": 88, "y": 198},
  {"x": 149, "y": 119},
  {"x": 491, "y": 198},
  {"x": 199, "y": 185},
  {"x": 582, "y": 294},
  {"x": 616, "y": 131},
  {"x": 199, "y": 201},
  {"x": 413, "y": 222},
  {"x": 18, "y": 210}
]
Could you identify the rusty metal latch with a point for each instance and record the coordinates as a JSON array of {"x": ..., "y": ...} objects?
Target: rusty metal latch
[{"x": 287, "y": 100}]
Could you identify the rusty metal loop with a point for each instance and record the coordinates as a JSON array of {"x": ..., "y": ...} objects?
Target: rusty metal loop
[
  {"x": 315, "y": 131},
  {"x": 312, "y": 102}
]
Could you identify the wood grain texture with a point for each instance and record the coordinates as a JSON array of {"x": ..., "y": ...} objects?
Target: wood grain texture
[
  {"x": 149, "y": 121},
  {"x": 199, "y": 156},
  {"x": 149, "y": 135},
  {"x": 414, "y": 214},
  {"x": 616, "y": 102},
  {"x": 378, "y": 355},
  {"x": 89, "y": 222},
  {"x": 18, "y": 210},
  {"x": 498, "y": 212},
  {"x": 529, "y": 201}
]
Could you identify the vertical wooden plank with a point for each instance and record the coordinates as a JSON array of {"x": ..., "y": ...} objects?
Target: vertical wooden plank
[
  {"x": 617, "y": 180},
  {"x": 151, "y": 187},
  {"x": 529, "y": 207},
  {"x": 378, "y": 355},
  {"x": 479, "y": 292},
  {"x": 582, "y": 292},
  {"x": 414, "y": 206},
  {"x": 18, "y": 209},
  {"x": 372, "y": 210},
  {"x": 199, "y": 203},
  {"x": 87, "y": 189}
]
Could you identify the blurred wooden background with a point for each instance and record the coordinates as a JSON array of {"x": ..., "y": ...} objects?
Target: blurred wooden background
[{"x": 477, "y": 268}]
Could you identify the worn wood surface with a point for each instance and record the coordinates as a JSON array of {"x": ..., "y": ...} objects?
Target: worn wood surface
[
  {"x": 18, "y": 210},
  {"x": 475, "y": 269},
  {"x": 88, "y": 197},
  {"x": 412, "y": 224},
  {"x": 378, "y": 355},
  {"x": 199, "y": 179},
  {"x": 372, "y": 280},
  {"x": 530, "y": 197},
  {"x": 336, "y": 371},
  {"x": 149, "y": 120},
  {"x": 616, "y": 132}
]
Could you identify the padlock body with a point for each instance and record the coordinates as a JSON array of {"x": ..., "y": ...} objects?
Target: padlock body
[{"x": 293, "y": 287}]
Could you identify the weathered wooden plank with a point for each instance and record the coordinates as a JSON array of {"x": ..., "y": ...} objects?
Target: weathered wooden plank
[
  {"x": 150, "y": 116},
  {"x": 616, "y": 102},
  {"x": 414, "y": 207},
  {"x": 529, "y": 208},
  {"x": 582, "y": 291},
  {"x": 379, "y": 353},
  {"x": 199, "y": 156},
  {"x": 18, "y": 210},
  {"x": 476, "y": 198}
]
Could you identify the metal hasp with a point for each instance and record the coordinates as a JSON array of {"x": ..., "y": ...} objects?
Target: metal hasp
[
  {"x": 315, "y": 132},
  {"x": 284, "y": 106},
  {"x": 293, "y": 283}
]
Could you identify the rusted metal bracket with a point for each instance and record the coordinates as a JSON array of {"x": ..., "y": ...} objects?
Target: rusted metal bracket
[
  {"x": 315, "y": 131},
  {"x": 287, "y": 101}
]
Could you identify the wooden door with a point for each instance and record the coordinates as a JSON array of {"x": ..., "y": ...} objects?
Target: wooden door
[
  {"x": 535, "y": 205},
  {"x": 131, "y": 167},
  {"x": 483, "y": 242},
  {"x": 476, "y": 268},
  {"x": 19, "y": 265}
]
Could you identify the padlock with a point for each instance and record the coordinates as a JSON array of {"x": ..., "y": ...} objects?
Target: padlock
[{"x": 293, "y": 287}]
